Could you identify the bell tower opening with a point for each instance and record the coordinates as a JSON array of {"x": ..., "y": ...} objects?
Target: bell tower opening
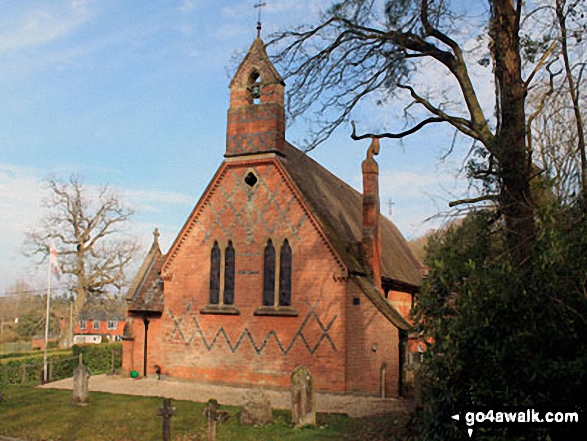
[
  {"x": 256, "y": 117},
  {"x": 254, "y": 87}
]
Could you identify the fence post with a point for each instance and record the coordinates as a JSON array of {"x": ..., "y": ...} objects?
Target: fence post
[
  {"x": 23, "y": 373},
  {"x": 50, "y": 376},
  {"x": 80, "y": 358}
]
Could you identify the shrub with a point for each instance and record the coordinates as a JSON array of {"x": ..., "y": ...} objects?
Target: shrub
[{"x": 502, "y": 334}]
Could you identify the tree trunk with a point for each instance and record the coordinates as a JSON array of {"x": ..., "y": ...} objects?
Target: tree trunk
[
  {"x": 509, "y": 144},
  {"x": 81, "y": 288}
]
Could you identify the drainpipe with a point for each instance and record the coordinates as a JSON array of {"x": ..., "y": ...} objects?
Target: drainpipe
[
  {"x": 403, "y": 339},
  {"x": 146, "y": 322}
]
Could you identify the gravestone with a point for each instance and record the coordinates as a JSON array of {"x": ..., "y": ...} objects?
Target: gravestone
[
  {"x": 81, "y": 386},
  {"x": 213, "y": 416},
  {"x": 303, "y": 400},
  {"x": 167, "y": 411},
  {"x": 256, "y": 409}
]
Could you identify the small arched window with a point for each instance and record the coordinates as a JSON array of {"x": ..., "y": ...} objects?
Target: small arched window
[
  {"x": 215, "y": 274},
  {"x": 229, "y": 275},
  {"x": 285, "y": 275},
  {"x": 269, "y": 275}
]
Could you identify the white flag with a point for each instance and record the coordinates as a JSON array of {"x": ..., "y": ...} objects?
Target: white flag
[{"x": 53, "y": 261}]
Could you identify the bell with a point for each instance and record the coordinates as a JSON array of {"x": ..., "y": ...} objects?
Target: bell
[{"x": 255, "y": 90}]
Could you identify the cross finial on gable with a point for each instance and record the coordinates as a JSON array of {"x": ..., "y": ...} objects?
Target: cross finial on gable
[
  {"x": 259, "y": 6},
  {"x": 390, "y": 204}
]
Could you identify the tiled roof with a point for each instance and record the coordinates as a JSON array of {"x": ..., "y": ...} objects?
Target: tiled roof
[{"x": 146, "y": 292}]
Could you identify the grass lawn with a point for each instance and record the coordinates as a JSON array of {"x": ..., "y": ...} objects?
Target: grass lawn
[{"x": 47, "y": 414}]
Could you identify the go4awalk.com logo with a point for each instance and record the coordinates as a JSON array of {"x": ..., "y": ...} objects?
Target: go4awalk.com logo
[{"x": 520, "y": 418}]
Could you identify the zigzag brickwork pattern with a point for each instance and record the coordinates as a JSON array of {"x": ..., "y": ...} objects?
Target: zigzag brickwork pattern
[{"x": 197, "y": 333}]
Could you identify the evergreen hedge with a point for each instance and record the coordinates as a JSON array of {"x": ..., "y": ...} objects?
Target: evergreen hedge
[
  {"x": 98, "y": 358},
  {"x": 27, "y": 369}
]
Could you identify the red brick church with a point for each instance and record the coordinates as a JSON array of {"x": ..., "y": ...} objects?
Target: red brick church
[{"x": 280, "y": 264}]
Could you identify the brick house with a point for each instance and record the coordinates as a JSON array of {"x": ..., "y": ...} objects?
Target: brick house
[
  {"x": 99, "y": 319},
  {"x": 280, "y": 264}
]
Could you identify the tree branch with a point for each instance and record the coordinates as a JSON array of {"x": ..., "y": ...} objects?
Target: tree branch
[
  {"x": 403, "y": 134},
  {"x": 540, "y": 63},
  {"x": 490, "y": 197}
]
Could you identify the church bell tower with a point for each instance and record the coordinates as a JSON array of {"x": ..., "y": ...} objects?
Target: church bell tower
[{"x": 256, "y": 117}]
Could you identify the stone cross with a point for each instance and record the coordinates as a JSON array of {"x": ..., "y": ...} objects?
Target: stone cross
[
  {"x": 213, "y": 415},
  {"x": 303, "y": 401},
  {"x": 210, "y": 412},
  {"x": 81, "y": 386},
  {"x": 167, "y": 411}
]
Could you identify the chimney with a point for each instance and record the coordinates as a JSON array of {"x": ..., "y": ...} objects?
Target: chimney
[{"x": 371, "y": 241}]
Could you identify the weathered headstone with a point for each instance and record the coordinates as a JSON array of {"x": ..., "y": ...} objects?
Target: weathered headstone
[
  {"x": 213, "y": 416},
  {"x": 256, "y": 409},
  {"x": 167, "y": 411},
  {"x": 303, "y": 400},
  {"x": 81, "y": 386}
]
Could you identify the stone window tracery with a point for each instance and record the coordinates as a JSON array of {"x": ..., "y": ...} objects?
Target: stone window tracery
[
  {"x": 277, "y": 279},
  {"x": 222, "y": 281}
]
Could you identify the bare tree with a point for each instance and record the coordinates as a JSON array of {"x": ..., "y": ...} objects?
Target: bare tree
[
  {"x": 366, "y": 47},
  {"x": 555, "y": 128},
  {"x": 86, "y": 227},
  {"x": 574, "y": 74}
]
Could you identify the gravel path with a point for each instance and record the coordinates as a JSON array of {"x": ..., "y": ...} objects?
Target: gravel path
[{"x": 353, "y": 406}]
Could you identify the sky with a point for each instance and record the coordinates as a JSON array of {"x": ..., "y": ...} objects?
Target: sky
[{"x": 134, "y": 95}]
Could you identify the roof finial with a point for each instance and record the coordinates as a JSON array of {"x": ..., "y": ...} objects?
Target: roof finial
[
  {"x": 156, "y": 235},
  {"x": 259, "y": 6}
]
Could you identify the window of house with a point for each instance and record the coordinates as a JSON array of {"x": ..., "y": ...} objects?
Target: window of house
[
  {"x": 83, "y": 324},
  {"x": 111, "y": 324},
  {"x": 221, "y": 299},
  {"x": 277, "y": 278},
  {"x": 96, "y": 324}
]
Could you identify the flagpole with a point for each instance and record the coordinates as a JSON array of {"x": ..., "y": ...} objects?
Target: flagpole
[{"x": 45, "y": 376}]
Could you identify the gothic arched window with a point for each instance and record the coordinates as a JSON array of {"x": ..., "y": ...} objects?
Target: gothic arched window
[
  {"x": 229, "y": 274},
  {"x": 215, "y": 274},
  {"x": 285, "y": 275},
  {"x": 269, "y": 275}
]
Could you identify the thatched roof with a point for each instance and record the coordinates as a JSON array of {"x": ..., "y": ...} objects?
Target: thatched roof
[{"x": 338, "y": 208}]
